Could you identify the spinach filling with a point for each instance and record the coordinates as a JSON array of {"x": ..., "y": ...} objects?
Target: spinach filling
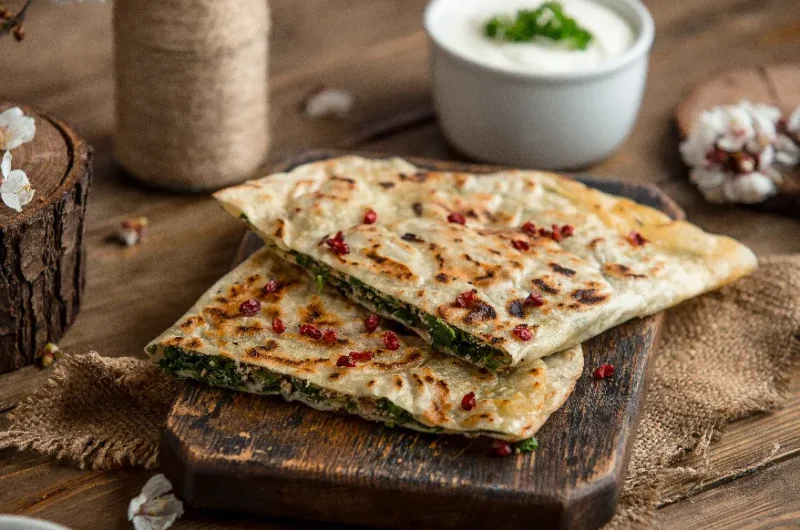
[
  {"x": 443, "y": 336},
  {"x": 216, "y": 370}
]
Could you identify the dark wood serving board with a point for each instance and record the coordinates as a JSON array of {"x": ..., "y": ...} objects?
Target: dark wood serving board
[{"x": 234, "y": 451}]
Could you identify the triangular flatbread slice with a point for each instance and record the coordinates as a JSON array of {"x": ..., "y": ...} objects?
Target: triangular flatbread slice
[
  {"x": 496, "y": 269},
  {"x": 224, "y": 343}
]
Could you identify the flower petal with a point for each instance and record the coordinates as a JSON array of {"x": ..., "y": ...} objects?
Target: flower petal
[
  {"x": 12, "y": 201},
  {"x": 17, "y": 128},
  {"x": 157, "y": 486},
  {"x": 5, "y": 165},
  {"x": 15, "y": 182}
]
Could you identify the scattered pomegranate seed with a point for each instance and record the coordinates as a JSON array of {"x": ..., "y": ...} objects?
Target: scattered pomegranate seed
[
  {"x": 567, "y": 230},
  {"x": 310, "y": 330},
  {"x": 370, "y": 217},
  {"x": 345, "y": 361},
  {"x": 250, "y": 307},
  {"x": 372, "y": 322},
  {"x": 270, "y": 287},
  {"x": 278, "y": 326},
  {"x": 329, "y": 336},
  {"x": 391, "y": 341},
  {"x": 556, "y": 233},
  {"x": 534, "y": 299},
  {"x": 603, "y": 371},
  {"x": 544, "y": 232},
  {"x": 361, "y": 355},
  {"x": 468, "y": 402},
  {"x": 456, "y": 218},
  {"x": 523, "y": 333},
  {"x": 466, "y": 299},
  {"x": 637, "y": 239},
  {"x": 337, "y": 244},
  {"x": 501, "y": 448},
  {"x": 520, "y": 244},
  {"x": 529, "y": 228}
]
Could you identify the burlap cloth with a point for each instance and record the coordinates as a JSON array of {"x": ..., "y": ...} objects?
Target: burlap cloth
[{"x": 724, "y": 355}]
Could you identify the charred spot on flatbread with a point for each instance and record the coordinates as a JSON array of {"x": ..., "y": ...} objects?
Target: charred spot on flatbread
[
  {"x": 589, "y": 297},
  {"x": 555, "y": 267},
  {"x": 545, "y": 286}
]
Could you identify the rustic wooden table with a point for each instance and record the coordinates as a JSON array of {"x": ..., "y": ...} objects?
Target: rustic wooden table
[{"x": 377, "y": 50}]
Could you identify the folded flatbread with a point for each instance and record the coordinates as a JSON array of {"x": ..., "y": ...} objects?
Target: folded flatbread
[
  {"x": 541, "y": 262},
  {"x": 412, "y": 386}
]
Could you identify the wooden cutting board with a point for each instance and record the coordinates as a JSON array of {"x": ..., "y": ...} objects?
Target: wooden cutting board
[{"x": 234, "y": 451}]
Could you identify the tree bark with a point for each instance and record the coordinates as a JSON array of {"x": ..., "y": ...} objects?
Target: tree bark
[{"x": 42, "y": 258}]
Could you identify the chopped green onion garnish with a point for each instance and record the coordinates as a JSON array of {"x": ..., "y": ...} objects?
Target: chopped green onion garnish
[
  {"x": 527, "y": 446},
  {"x": 548, "y": 21}
]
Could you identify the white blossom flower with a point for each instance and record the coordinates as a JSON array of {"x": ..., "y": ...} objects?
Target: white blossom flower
[
  {"x": 793, "y": 122},
  {"x": 153, "y": 509},
  {"x": 329, "y": 102},
  {"x": 15, "y": 128},
  {"x": 15, "y": 189},
  {"x": 719, "y": 186},
  {"x": 131, "y": 231},
  {"x": 732, "y": 151}
]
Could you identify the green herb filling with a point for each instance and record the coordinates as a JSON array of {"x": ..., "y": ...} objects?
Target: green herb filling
[{"x": 443, "y": 336}]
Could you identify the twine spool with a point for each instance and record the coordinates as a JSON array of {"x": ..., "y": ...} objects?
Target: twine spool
[{"x": 191, "y": 90}]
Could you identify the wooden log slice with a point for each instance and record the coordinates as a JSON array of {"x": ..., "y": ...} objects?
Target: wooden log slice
[
  {"x": 777, "y": 85},
  {"x": 42, "y": 259}
]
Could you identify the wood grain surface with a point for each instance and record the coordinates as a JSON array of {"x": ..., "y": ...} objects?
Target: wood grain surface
[
  {"x": 64, "y": 67},
  {"x": 231, "y": 451},
  {"x": 42, "y": 259}
]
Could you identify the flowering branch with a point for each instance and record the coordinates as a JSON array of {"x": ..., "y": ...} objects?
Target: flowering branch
[{"x": 12, "y": 23}]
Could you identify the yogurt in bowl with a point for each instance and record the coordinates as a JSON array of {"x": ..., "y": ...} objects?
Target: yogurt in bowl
[{"x": 538, "y": 102}]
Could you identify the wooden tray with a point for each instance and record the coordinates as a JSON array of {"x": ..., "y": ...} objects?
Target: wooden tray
[{"x": 234, "y": 451}]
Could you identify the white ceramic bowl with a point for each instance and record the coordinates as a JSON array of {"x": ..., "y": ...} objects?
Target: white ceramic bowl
[
  {"x": 13, "y": 522},
  {"x": 547, "y": 121}
]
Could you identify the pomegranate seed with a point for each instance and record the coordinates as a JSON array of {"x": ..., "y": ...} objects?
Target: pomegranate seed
[
  {"x": 310, "y": 330},
  {"x": 338, "y": 247},
  {"x": 370, "y": 217},
  {"x": 391, "y": 341},
  {"x": 529, "y": 228},
  {"x": 501, "y": 448},
  {"x": 345, "y": 361},
  {"x": 520, "y": 245},
  {"x": 556, "y": 233},
  {"x": 567, "y": 230},
  {"x": 361, "y": 355},
  {"x": 543, "y": 232},
  {"x": 603, "y": 371},
  {"x": 339, "y": 237},
  {"x": 456, "y": 218},
  {"x": 372, "y": 322},
  {"x": 523, "y": 333},
  {"x": 535, "y": 300},
  {"x": 250, "y": 307},
  {"x": 466, "y": 299},
  {"x": 270, "y": 287},
  {"x": 278, "y": 326},
  {"x": 468, "y": 402},
  {"x": 329, "y": 336},
  {"x": 635, "y": 238}
]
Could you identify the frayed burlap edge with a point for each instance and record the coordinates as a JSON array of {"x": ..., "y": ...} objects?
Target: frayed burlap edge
[
  {"x": 115, "y": 424},
  {"x": 745, "y": 339}
]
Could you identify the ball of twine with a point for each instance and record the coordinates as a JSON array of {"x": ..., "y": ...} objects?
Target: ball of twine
[{"x": 191, "y": 90}]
